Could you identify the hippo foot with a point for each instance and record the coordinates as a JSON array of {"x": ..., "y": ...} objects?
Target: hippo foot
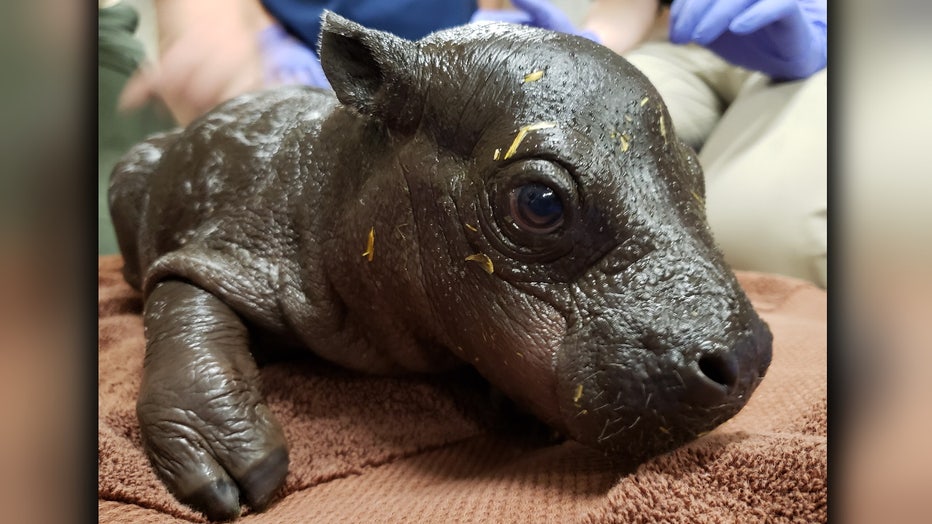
[
  {"x": 205, "y": 427},
  {"x": 211, "y": 473}
]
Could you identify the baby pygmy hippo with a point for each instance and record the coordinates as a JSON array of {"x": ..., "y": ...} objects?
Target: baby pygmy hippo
[{"x": 493, "y": 195}]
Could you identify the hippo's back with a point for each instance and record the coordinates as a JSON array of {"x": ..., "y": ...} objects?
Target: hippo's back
[{"x": 210, "y": 203}]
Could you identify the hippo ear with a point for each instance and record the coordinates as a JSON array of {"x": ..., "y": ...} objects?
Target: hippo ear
[{"x": 369, "y": 70}]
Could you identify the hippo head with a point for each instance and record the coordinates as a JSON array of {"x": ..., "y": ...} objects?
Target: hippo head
[{"x": 556, "y": 232}]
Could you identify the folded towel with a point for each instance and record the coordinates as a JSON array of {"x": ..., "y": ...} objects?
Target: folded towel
[{"x": 418, "y": 449}]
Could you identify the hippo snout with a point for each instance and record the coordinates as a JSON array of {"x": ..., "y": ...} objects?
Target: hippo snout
[
  {"x": 728, "y": 374},
  {"x": 635, "y": 400}
]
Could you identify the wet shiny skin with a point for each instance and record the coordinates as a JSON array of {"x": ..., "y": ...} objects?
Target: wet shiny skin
[{"x": 380, "y": 230}]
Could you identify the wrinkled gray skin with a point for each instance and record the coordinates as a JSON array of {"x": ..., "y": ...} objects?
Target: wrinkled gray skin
[{"x": 622, "y": 327}]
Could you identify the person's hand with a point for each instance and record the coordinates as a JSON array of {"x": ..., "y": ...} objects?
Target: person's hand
[
  {"x": 209, "y": 53},
  {"x": 782, "y": 38},
  {"x": 288, "y": 61},
  {"x": 535, "y": 13}
]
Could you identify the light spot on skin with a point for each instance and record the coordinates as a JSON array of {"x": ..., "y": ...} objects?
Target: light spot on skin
[
  {"x": 483, "y": 260},
  {"x": 522, "y": 132},
  {"x": 370, "y": 245}
]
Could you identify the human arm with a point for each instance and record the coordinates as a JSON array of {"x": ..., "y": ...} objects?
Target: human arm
[
  {"x": 622, "y": 25},
  {"x": 618, "y": 24},
  {"x": 534, "y": 13},
  {"x": 208, "y": 53}
]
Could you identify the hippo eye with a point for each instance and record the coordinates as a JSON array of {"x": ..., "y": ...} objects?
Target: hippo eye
[
  {"x": 533, "y": 209},
  {"x": 536, "y": 208}
]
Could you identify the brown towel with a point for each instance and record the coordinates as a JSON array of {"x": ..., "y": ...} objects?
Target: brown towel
[{"x": 376, "y": 449}]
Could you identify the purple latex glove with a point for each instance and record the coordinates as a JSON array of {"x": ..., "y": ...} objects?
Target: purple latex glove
[
  {"x": 288, "y": 61},
  {"x": 782, "y": 38},
  {"x": 534, "y": 13}
]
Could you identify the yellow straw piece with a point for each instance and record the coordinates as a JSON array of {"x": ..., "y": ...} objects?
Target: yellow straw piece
[
  {"x": 483, "y": 260},
  {"x": 533, "y": 77},
  {"x": 370, "y": 245},
  {"x": 698, "y": 198},
  {"x": 522, "y": 132}
]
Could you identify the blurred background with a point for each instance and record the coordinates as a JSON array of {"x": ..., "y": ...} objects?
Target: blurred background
[
  {"x": 881, "y": 290},
  {"x": 881, "y": 213},
  {"x": 147, "y": 32}
]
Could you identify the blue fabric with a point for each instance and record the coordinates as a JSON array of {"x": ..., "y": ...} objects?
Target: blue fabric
[{"x": 410, "y": 19}]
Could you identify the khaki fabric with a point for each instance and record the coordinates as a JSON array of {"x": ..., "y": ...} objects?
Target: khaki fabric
[{"x": 763, "y": 147}]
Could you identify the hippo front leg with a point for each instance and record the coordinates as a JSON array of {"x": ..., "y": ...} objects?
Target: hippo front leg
[{"x": 204, "y": 424}]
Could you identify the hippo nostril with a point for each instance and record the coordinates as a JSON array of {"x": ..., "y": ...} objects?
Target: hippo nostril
[{"x": 721, "y": 368}]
